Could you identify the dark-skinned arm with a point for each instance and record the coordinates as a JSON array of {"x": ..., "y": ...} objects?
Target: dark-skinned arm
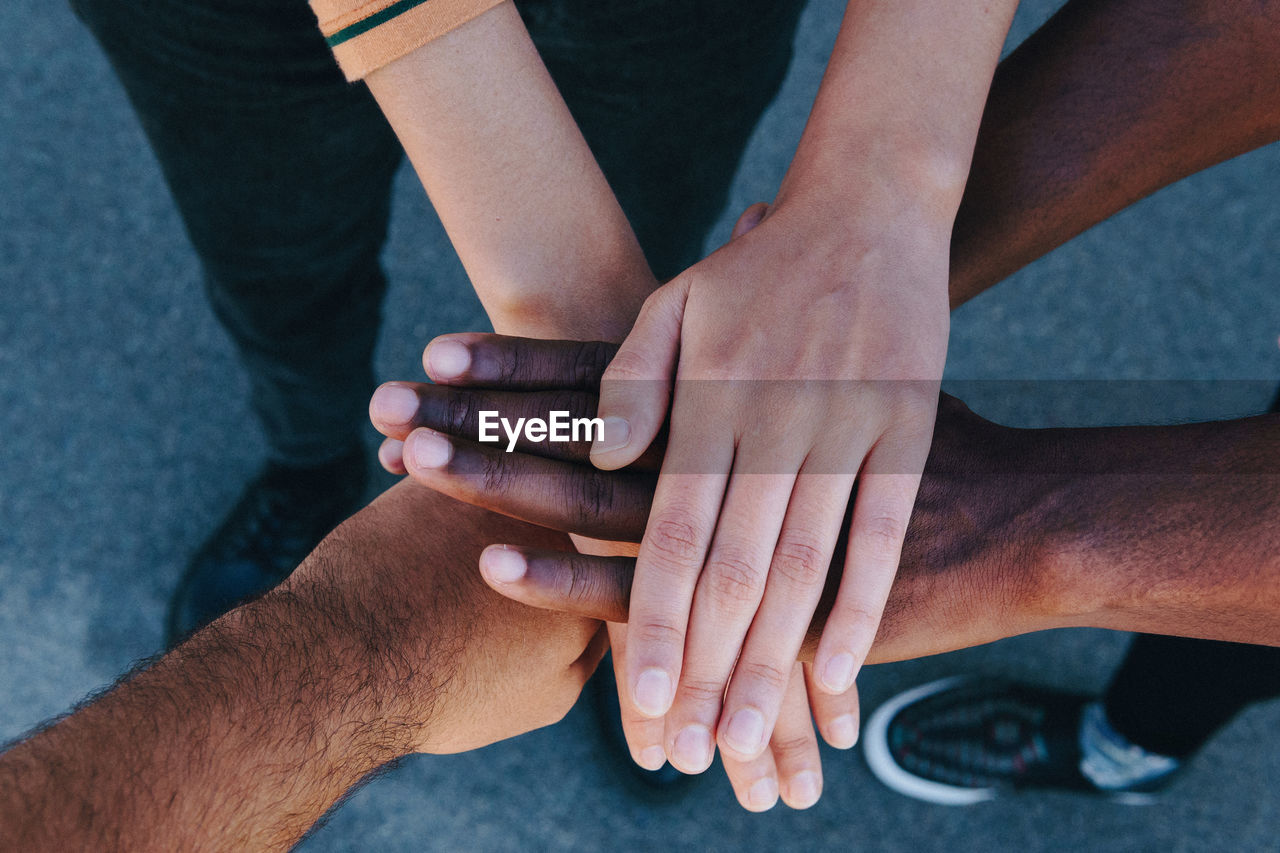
[{"x": 1165, "y": 529}]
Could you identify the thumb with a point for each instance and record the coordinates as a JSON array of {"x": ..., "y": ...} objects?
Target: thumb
[
  {"x": 635, "y": 390},
  {"x": 750, "y": 218}
]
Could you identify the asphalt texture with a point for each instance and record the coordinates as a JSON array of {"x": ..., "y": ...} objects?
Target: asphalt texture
[{"x": 125, "y": 435}]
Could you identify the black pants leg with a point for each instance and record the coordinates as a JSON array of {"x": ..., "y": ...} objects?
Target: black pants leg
[
  {"x": 667, "y": 93},
  {"x": 1172, "y": 694},
  {"x": 282, "y": 171}
]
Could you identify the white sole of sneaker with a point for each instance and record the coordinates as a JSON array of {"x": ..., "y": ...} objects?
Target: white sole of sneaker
[{"x": 875, "y": 746}]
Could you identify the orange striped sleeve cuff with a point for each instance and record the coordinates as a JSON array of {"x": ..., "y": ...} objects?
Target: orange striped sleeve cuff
[{"x": 367, "y": 34}]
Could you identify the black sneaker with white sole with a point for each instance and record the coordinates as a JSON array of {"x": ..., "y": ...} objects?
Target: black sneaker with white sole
[{"x": 963, "y": 741}]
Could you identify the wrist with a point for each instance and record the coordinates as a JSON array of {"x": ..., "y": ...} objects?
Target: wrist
[
  {"x": 1057, "y": 531},
  {"x": 879, "y": 179},
  {"x": 590, "y": 300},
  {"x": 564, "y": 316}
]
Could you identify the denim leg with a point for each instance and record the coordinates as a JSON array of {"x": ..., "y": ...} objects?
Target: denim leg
[
  {"x": 1172, "y": 694},
  {"x": 282, "y": 173},
  {"x": 667, "y": 93}
]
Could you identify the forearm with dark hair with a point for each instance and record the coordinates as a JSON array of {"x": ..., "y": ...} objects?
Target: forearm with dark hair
[
  {"x": 383, "y": 642},
  {"x": 240, "y": 739}
]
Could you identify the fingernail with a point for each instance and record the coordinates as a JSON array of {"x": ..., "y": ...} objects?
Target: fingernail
[
  {"x": 503, "y": 564},
  {"x": 837, "y": 675},
  {"x": 803, "y": 790},
  {"x": 653, "y": 692},
  {"x": 745, "y": 732},
  {"x": 652, "y": 758},
  {"x": 762, "y": 795},
  {"x": 616, "y": 434},
  {"x": 693, "y": 749},
  {"x": 391, "y": 455},
  {"x": 448, "y": 359},
  {"x": 429, "y": 450},
  {"x": 843, "y": 731},
  {"x": 394, "y": 404}
]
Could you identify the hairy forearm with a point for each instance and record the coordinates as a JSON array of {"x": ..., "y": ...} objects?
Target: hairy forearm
[
  {"x": 529, "y": 212},
  {"x": 383, "y": 642},
  {"x": 1107, "y": 103},
  {"x": 240, "y": 739}
]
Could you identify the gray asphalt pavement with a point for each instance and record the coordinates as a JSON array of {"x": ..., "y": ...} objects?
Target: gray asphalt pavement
[{"x": 125, "y": 437}]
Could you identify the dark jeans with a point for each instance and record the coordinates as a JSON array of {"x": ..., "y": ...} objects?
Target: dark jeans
[
  {"x": 1172, "y": 694},
  {"x": 282, "y": 172}
]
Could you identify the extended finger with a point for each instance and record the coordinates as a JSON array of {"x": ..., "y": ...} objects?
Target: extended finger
[
  {"x": 754, "y": 782},
  {"x": 580, "y": 584},
  {"x": 673, "y": 547},
  {"x": 643, "y": 735},
  {"x": 881, "y": 512},
  {"x": 557, "y": 424},
  {"x": 795, "y": 746},
  {"x": 549, "y": 493},
  {"x": 516, "y": 364},
  {"x": 635, "y": 390},
  {"x": 724, "y": 603},
  {"x": 676, "y": 538},
  {"x": 497, "y": 417},
  {"x": 796, "y": 576},
  {"x": 837, "y": 715}
]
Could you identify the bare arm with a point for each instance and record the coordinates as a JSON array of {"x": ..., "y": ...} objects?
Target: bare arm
[
  {"x": 1160, "y": 529},
  {"x": 384, "y": 642},
  {"x": 1107, "y": 103},
  {"x": 529, "y": 212}
]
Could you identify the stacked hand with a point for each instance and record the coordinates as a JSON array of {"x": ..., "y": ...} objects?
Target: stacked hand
[
  {"x": 943, "y": 599},
  {"x": 786, "y": 373},
  {"x": 552, "y": 485}
]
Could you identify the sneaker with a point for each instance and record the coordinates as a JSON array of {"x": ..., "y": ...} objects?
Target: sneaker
[
  {"x": 281, "y": 516},
  {"x": 961, "y": 741}
]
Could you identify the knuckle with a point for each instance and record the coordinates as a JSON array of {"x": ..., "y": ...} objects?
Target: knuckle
[
  {"x": 593, "y": 499},
  {"x": 508, "y": 363},
  {"x": 859, "y": 617},
  {"x": 458, "y": 412},
  {"x": 881, "y": 535},
  {"x": 654, "y": 633},
  {"x": 766, "y": 672},
  {"x": 495, "y": 475},
  {"x": 577, "y": 584},
  {"x": 628, "y": 364},
  {"x": 589, "y": 360},
  {"x": 702, "y": 690},
  {"x": 792, "y": 746},
  {"x": 800, "y": 561},
  {"x": 734, "y": 579},
  {"x": 675, "y": 541},
  {"x": 573, "y": 402}
]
